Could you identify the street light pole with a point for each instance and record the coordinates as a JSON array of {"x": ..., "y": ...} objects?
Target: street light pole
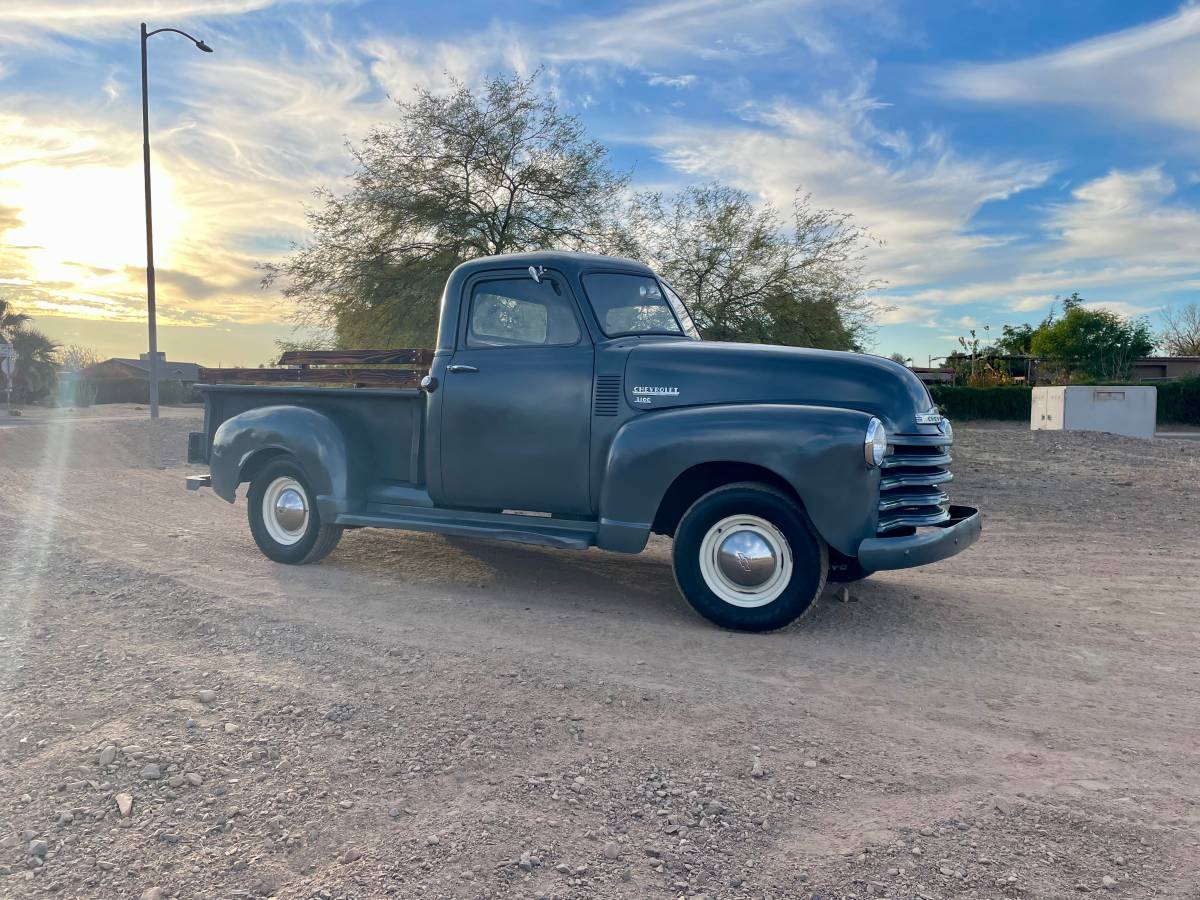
[{"x": 150, "y": 305}]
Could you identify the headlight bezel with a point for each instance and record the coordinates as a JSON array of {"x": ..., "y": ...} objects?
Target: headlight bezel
[{"x": 875, "y": 444}]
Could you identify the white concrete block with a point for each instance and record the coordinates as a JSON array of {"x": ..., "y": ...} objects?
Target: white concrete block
[{"x": 1130, "y": 410}]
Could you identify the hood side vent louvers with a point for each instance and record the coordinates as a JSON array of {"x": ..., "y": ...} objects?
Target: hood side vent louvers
[{"x": 607, "y": 401}]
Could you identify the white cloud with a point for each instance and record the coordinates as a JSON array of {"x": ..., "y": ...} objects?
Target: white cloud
[
  {"x": 896, "y": 311},
  {"x": 913, "y": 192},
  {"x": 45, "y": 13},
  {"x": 1148, "y": 72},
  {"x": 1032, "y": 303},
  {"x": 1122, "y": 307},
  {"x": 674, "y": 81},
  {"x": 705, "y": 30},
  {"x": 1128, "y": 216}
]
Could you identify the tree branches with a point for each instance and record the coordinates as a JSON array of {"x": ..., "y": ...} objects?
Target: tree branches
[{"x": 501, "y": 169}]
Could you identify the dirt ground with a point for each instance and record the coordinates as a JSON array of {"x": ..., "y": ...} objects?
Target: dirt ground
[{"x": 429, "y": 717}]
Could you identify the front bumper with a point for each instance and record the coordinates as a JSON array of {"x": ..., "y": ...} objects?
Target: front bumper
[{"x": 953, "y": 536}]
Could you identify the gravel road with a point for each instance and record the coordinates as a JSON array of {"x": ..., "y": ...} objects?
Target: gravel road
[{"x": 444, "y": 718}]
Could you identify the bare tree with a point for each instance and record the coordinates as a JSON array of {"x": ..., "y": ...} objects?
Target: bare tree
[
  {"x": 751, "y": 275},
  {"x": 456, "y": 177},
  {"x": 74, "y": 357},
  {"x": 1180, "y": 334}
]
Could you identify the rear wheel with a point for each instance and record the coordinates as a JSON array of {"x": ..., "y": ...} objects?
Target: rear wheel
[
  {"x": 284, "y": 518},
  {"x": 747, "y": 558}
]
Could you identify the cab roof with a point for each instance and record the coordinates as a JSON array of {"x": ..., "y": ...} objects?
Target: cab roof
[{"x": 568, "y": 262}]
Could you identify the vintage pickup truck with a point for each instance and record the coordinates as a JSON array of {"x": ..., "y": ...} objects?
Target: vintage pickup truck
[{"x": 570, "y": 402}]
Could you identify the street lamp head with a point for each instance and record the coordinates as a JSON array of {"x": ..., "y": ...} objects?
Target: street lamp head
[{"x": 203, "y": 46}]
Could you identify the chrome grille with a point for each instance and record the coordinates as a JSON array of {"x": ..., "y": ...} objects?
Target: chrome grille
[{"x": 910, "y": 492}]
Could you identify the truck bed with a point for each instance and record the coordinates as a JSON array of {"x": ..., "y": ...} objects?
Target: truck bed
[{"x": 386, "y": 423}]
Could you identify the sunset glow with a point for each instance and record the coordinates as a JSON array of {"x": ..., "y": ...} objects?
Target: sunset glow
[{"x": 996, "y": 175}]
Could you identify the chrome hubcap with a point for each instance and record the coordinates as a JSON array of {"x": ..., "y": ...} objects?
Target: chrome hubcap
[
  {"x": 745, "y": 558},
  {"x": 746, "y": 561},
  {"x": 285, "y": 510},
  {"x": 290, "y": 510}
]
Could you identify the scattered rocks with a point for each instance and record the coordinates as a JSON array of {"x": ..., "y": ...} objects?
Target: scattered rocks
[
  {"x": 206, "y": 696},
  {"x": 612, "y": 850},
  {"x": 756, "y": 768},
  {"x": 38, "y": 848},
  {"x": 125, "y": 805},
  {"x": 153, "y": 893},
  {"x": 151, "y": 772},
  {"x": 107, "y": 756},
  {"x": 352, "y": 854},
  {"x": 194, "y": 779}
]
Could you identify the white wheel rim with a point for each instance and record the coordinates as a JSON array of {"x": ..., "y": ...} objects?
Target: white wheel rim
[
  {"x": 285, "y": 511},
  {"x": 746, "y": 561}
]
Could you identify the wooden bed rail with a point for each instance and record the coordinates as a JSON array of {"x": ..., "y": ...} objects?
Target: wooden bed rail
[
  {"x": 362, "y": 368},
  {"x": 356, "y": 358}
]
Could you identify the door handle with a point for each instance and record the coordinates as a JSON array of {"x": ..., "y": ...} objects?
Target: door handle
[{"x": 460, "y": 368}]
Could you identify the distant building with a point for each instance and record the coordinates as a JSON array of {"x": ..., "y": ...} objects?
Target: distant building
[
  {"x": 1157, "y": 368},
  {"x": 943, "y": 375},
  {"x": 121, "y": 380}
]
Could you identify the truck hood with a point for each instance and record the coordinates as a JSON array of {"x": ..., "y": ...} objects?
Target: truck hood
[{"x": 674, "y": 373}]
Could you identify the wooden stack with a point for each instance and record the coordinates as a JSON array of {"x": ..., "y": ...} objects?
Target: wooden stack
[{"x": 346, "y": 368}]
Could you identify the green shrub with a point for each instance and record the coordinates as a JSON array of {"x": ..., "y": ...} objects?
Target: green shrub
[
  {"x": 1012, "y": 403},
  {"x": 1179, "y": 401}
]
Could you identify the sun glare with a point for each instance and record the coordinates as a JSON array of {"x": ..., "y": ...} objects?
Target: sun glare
[{"x": 84, "y": 225}]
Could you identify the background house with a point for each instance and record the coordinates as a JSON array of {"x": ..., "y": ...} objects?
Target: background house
[{"x": 121, "y": 380}]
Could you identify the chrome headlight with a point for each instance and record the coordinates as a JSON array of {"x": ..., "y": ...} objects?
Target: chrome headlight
[{"x": 875, "y": 445}]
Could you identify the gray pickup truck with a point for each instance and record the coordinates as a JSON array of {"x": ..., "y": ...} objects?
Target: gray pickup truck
[{"x": 570, "y": 402}]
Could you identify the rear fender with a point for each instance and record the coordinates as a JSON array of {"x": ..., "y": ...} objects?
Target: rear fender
[
  {"x": 310, "y": 437},
  {"x": 817, "y": 450}
]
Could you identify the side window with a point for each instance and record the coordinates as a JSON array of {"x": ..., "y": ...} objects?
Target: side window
[{"x": 520, "y": 312}]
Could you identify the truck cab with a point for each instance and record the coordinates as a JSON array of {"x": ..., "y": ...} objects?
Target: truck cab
[{"x": 570, "y": 401}]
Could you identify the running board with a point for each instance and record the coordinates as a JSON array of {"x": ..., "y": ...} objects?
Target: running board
[{"x": 563, "y": 533}]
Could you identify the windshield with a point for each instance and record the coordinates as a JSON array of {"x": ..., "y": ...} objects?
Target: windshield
[
  {"x": 632, "y": 304},
  {"x": 681, "y": 312}
]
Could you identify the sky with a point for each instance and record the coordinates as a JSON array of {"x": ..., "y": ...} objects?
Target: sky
[{"x": 1002, "y": 152}]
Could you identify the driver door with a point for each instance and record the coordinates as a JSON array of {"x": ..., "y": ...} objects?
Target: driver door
[{"x": 516, "y": 414}]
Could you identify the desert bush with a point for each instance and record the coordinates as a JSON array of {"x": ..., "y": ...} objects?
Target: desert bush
[{"x": 172, "y": 393}]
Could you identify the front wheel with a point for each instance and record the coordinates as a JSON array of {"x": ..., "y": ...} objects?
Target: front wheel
[
  {"x": 284, "y": 518},
  {"x": 747, "y": 558}
]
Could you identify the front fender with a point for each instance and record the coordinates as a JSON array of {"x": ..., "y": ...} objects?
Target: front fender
[
  {"x": 316, "y": 443},
  {"x": 817, "y": 450}
]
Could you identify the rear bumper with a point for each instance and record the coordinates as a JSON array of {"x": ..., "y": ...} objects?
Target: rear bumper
[
  {"x": 195, "y": 482},
  {"x": 928, "y": 546}
]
